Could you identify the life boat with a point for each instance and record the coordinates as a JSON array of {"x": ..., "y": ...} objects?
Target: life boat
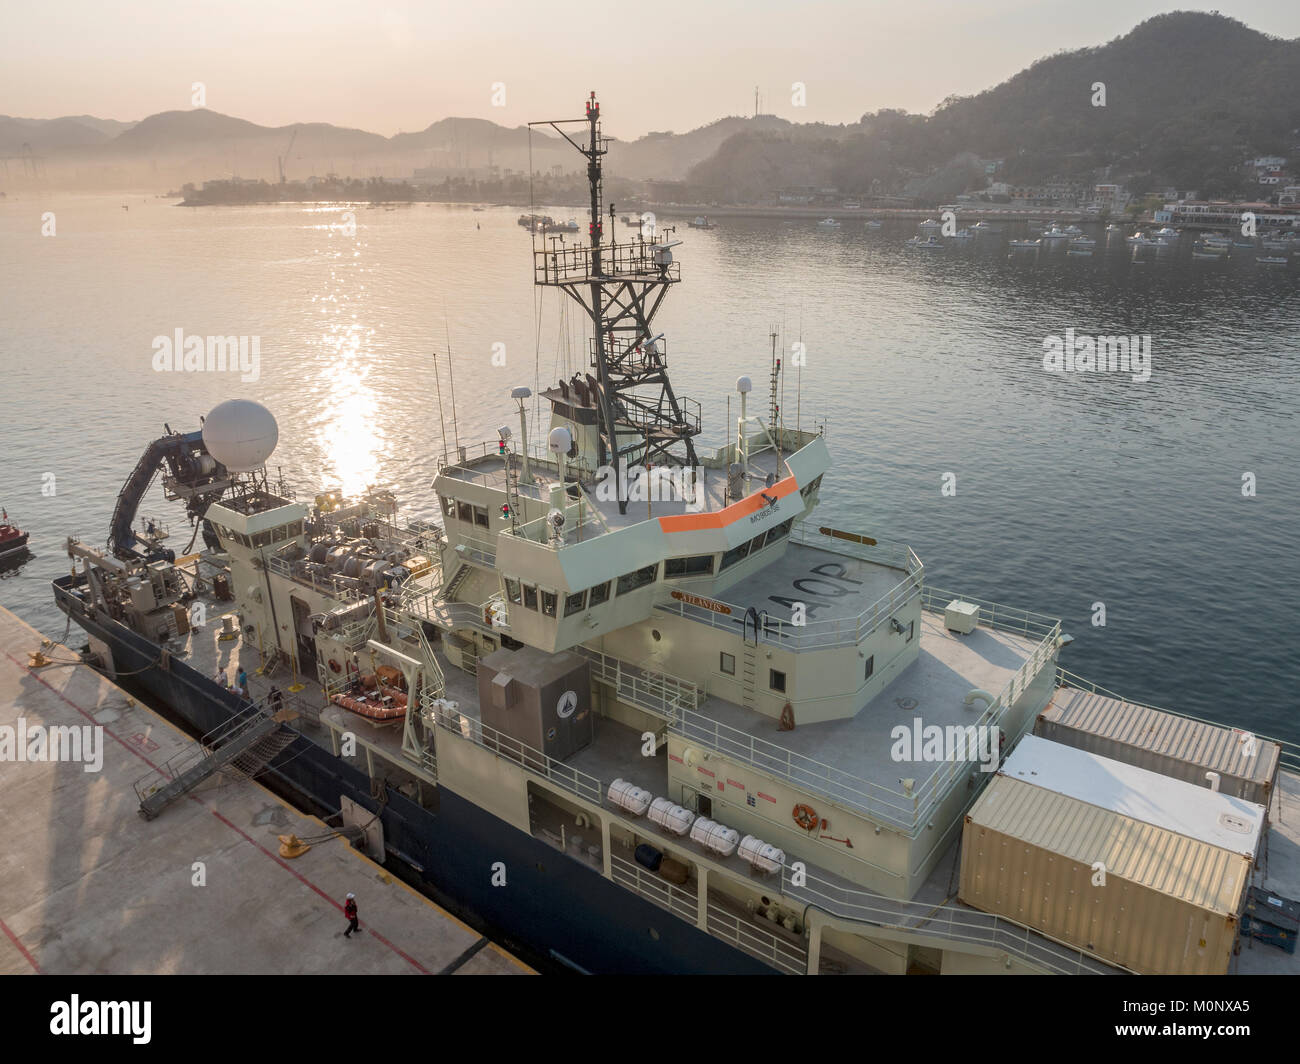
[{"x": 372, "y": 708}]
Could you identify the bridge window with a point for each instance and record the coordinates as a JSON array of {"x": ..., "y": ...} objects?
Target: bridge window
[
  {"x": 548, "y": 603},
  {"x": 480, "y": 516},
  {"x": 575, "y": 603},
  {"x": 512, "y": 591},
  {"x": 911, "y": 631},
  {"x": 736, "y": 554},
  {"x": 700, "y": 565},
  {"x": 530, "y": 597},
  {"x": 637, "y": 578},
  {"x": 448, "y": 506},
  {"x": 600, "y": 593},
  {"x": 465, "y": 512},
  {"x": 871, "y": 667},
  {"x": 727, "y": 663},
  {"x": 776, "y": 680},
  {"x": 773, "y": 534}
]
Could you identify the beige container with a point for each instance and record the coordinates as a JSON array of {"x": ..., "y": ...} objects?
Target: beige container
[
  {"x": 1169, "y": 904},
  {"x": 1161, "y": 742}
]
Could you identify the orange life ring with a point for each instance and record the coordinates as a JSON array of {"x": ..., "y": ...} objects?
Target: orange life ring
[
  {"x": 335, "y": 666},
  {"x": 805, "y": 816}
]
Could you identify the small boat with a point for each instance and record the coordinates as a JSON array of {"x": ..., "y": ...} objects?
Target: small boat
[
  {"x": 962, "y": 235},
  {"x": 1208, "y": 256},
  {"x": 1213, "y": 241},
  {"x": 1141, "y": 240},
  {"x": 1244, "y": 244},
  {"x": 571, "y": 226},
  {"x": 1166, "y": 236},
  {"x": 478, "y": 208},
  {"x": 930, "y": 243},
  {"x": 1024, "y": 245},
  {"x": 382, "y": 704},
  {"x": 1079, "y": 251},
  {"x": 874, "y": 224},
  {"x": 701, "y": 223},
  {"x": 1113, "y": 228},
  {"x": 1082, "y": 242},
  {"x": 930, "y": 223},
  {"x": 13, "y": 540},
  {"x": 985, "y": 227},
  {"x": 1271, "y": 260},
  {"x": 1056, "y": 234},
  {"x": 828, "y": 223},
  {"x": 1072, "y": 230}
]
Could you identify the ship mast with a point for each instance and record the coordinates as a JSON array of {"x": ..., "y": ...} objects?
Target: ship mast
[{"x": 620, "y": 287}]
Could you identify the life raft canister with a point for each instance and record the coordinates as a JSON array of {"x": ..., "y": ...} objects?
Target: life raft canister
[
  {"x": 805, "y": 816},
  {"x": 335, "y": 666}
]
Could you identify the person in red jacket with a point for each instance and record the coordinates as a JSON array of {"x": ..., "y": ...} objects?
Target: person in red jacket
[{"x": 350, "y": 911}]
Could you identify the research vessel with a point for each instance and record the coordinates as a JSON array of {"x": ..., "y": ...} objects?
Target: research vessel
[{"x": 632, "y": 706}]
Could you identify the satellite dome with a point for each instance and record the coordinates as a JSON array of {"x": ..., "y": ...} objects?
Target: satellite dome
[
  {"x": 560, "y": 439},
  {"x": 240, "y": 434}
]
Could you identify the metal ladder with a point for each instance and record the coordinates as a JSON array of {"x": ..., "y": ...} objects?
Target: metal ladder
[
  {"x": 246, "y": 744},
  {"x": 748, "y": 675}
]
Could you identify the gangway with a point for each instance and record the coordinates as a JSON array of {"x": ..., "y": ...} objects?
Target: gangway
[{"x": 246, "y": 743}]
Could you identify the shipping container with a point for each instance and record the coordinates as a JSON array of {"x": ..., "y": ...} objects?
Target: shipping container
[
  {"x": 1162, "y": 742},
  {"x": 1144, "y": 871}
]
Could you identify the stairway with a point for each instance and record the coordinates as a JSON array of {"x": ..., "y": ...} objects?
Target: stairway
[
  {"x": 749, "y": 676},
  {"x": 245, "y": 744},
  {"x": 461, "y": 575}
]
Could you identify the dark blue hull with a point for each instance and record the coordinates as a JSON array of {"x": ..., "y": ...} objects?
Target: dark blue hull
[{"x": 555, "y": 906}]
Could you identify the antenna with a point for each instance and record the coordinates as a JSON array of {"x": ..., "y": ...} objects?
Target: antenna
[
  {"x": 798, "y": 378},
  {"x": 442, "y": 424},
  {"x": 451, "y": 379}
]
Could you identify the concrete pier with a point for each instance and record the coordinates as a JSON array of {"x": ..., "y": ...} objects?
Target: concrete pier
[{"x": 88, "y": 887}]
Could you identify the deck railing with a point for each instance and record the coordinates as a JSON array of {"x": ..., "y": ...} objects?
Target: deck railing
[
  {"x": 1288, "y": 752},
  {"x": 681, "y": 901},
  {"x": 949, "y": 920},
  {"x": 756, "y": 941},
  {"x": 907, "y": 809},
  {"x": 510, "y": 748},
  {"x": 659, "y": 693}
]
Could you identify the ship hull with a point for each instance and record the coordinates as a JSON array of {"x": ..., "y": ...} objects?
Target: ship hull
[{"x": 557, "y": 906}]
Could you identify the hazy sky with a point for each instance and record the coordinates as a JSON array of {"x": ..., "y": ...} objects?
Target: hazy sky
[{"x": 671, "y": 64}]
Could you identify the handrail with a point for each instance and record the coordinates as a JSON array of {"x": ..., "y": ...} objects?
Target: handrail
[
  {"x": 660, "y": 693},
  {"x": 818, "y": 635},
  {"x": 944, "y": 920},
  {"x": 652, "y": 888},
  {"x": 512, "y": 749},
  {"x": 993, "y": 614},
  {"x": 1288, "y": 752},
  {"x": 901, "y": 808}
]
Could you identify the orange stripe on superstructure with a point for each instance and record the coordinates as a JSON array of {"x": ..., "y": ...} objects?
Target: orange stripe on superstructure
[{"x": 730, "y": 514}]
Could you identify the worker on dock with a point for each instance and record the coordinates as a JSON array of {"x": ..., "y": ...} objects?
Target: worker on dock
[{"x": 350, "y": 911}]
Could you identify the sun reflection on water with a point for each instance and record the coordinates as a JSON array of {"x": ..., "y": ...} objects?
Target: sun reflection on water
[{"x": 347, "y": 422}]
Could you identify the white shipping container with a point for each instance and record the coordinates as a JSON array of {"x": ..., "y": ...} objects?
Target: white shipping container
[{"x": 1141, "y": 870}]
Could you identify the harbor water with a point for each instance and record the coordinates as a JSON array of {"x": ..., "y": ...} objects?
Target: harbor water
[{"x": 1165, "y": 503}]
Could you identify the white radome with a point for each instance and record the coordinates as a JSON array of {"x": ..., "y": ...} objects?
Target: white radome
[{"x": 240, "y": 434}]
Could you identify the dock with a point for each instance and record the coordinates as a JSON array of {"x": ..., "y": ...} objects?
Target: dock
[{"x": 88, "y": 887}]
